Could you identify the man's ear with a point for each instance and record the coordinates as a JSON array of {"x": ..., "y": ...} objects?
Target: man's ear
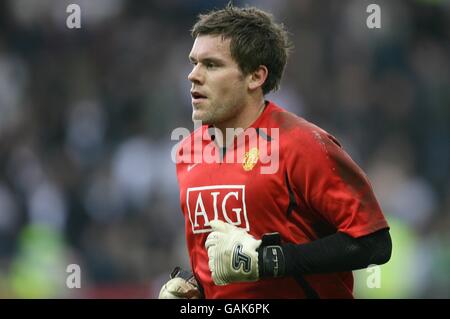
[{"x": 258, "y": 77}]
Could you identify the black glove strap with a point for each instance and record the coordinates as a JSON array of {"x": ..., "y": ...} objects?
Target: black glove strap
[
  {"x": 271, "y": 261},
  {"x": 186, "y": 275},
  {"x": 178, "y": 272}
]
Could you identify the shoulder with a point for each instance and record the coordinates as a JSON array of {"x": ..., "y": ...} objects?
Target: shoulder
[{"x": 297, "y": 132}]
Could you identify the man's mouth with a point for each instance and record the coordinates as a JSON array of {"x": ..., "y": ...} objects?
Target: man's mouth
[{"x": 197, "y": 96}]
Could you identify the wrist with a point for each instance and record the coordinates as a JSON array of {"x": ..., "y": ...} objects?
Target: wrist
[{"x": 271, "y": 259}]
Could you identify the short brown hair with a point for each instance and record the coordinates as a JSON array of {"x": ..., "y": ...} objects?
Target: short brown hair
[{"x": 255, "y": 39}]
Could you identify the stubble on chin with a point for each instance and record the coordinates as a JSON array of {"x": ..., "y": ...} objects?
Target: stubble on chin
[{"x": 204, "y": 118}]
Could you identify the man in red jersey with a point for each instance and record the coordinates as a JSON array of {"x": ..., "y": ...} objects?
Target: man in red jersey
[{"x": 276, "y": 208}]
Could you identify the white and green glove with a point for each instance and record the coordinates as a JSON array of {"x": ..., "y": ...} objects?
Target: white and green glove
[
  {"x": 182, "y": 285},
  {"x": 236, "y": 256}
]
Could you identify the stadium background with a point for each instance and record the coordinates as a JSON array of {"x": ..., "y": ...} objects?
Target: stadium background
[{"x": 86, "y": 117}]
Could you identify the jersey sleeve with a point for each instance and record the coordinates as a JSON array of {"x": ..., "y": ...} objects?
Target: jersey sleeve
[{"x": 331, "y": 183}]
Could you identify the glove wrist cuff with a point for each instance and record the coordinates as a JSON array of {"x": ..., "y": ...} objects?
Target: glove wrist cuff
[
  {"x": 184, "y": 274},
  {"x": 271, "y": 259},
  {"x": 189, "y": 278}
]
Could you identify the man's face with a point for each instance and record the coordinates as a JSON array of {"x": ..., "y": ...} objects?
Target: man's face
[{"x": 219, "y": 89}]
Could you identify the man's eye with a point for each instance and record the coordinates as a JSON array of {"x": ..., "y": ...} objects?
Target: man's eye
[{"x": 210, "y": 65}]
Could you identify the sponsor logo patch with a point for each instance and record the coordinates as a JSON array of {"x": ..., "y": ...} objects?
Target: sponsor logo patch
[{"x": 223, "y": 202}]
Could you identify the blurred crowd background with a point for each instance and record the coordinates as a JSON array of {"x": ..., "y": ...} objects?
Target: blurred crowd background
[{"x": 86, "y": 117}]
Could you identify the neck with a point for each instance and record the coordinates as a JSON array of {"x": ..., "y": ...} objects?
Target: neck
[{"x": 243, "y": 120}]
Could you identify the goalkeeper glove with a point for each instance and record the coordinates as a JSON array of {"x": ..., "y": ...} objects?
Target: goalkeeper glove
[
  {"x": 182, "y": 285},
  {"x": 236, "y": 256}
]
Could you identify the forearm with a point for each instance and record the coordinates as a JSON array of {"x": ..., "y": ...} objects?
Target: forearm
[
  {"x": 236, "y": 256},
  {"x": 336, "y": 253}
]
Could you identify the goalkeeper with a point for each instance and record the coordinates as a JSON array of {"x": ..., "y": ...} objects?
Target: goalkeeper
[{"x": 296, "y": 232}]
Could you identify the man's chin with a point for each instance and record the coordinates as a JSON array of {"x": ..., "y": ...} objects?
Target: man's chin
[{"x": 198, "y": 116}]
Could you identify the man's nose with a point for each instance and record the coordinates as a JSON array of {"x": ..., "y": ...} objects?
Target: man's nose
[{"x": 195, "y": 75}]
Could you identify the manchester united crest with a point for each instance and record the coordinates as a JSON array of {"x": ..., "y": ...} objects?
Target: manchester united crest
[{"x": 250, "y": 159}]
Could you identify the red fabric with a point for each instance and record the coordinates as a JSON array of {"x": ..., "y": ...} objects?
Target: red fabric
[{"x": 332, "y": 193}]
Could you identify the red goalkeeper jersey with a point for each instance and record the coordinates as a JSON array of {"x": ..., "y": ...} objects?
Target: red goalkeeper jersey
[{"x": 293, "y": 178}]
